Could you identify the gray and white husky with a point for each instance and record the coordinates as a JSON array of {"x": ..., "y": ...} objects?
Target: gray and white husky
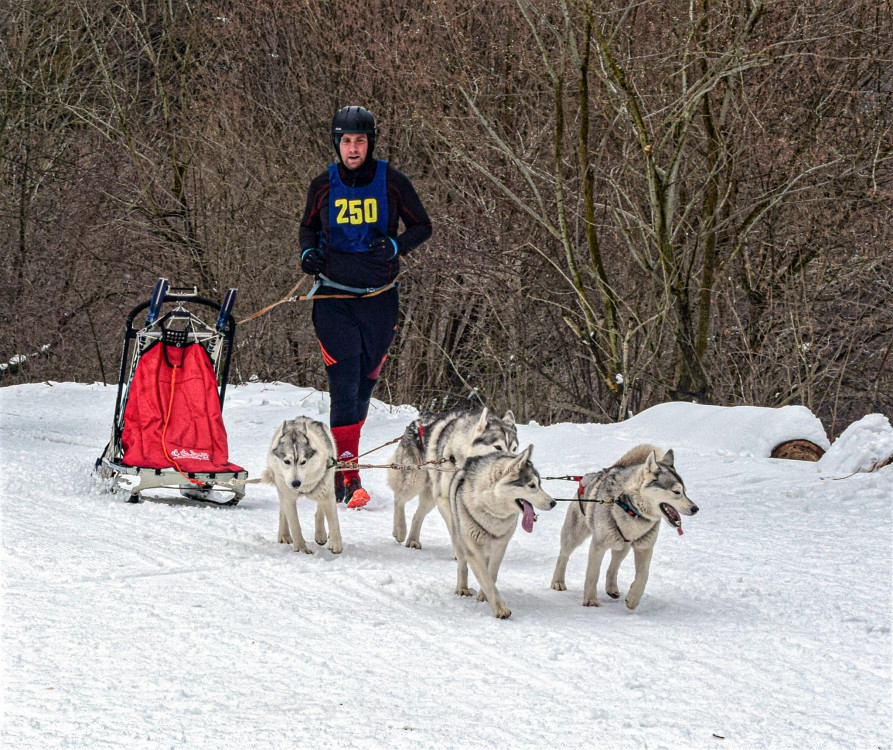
[
  {"x": 485, "y": 499},
  {"x": 452, "y": 437},
  {"x": 301, "y": 463},
  {"x": 627, "y": 502}
]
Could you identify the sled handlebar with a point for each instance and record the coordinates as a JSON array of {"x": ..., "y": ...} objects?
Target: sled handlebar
[{"x": 170, "y": 297}]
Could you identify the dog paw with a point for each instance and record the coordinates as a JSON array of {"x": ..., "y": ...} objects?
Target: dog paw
[
  {"x": 399, "y": 537},
  {"x": 559, "y": 586},
  {"x": 503, "y": 613},
  {"x": 591, "y": 603},
  {"x": 460, "y": 591},
  {"x": 284, "y": 539},
  {"x": 413, "y": 544},
  {"x": 321, "y": 539},
  {"x": 306, "y": 550},
  {"x": 336, "y": 548},
  {"x": 612, "y": 593},
  {"x": 482, "y": 597},
  {"x": 632, "y": 603}
]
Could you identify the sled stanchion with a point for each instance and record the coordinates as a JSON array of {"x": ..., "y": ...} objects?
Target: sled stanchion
[
  {"x": 158, "y": 295},
  {"x": 226, "y": 309}
]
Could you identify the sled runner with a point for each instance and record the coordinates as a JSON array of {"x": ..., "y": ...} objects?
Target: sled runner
[{"x": 168, "y": 427}]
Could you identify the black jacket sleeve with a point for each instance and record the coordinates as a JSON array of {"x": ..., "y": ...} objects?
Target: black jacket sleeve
[
  {"x": 410, "y": 210},
  {"x": 311, "y": 222}
]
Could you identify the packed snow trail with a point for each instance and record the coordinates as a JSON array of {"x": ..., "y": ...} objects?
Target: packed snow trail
[{"x": 155, "y": 625}]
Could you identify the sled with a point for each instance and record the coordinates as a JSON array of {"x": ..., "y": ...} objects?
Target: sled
[{"x": 168, "y": 431}]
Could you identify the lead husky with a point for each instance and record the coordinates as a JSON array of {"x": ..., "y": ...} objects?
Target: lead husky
[
  {"x": 485, "y": 499},
  {"x": 451, "y": 437},
  {"x": 627, "y": 503},
  {"x": 301, "y": 463}
]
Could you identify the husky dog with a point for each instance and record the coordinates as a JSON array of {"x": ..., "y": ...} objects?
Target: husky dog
[
  {"x": 450, "y": 437},
  {"x": 626, "y": 504},
  {"x": 485, "y": 499},
  {"x": 301, "y": 463}
]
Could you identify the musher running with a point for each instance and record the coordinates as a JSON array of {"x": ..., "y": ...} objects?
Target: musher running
[{"x": 349, "y": 243}]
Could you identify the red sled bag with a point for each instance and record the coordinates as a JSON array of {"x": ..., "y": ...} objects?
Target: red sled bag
[{"x": 173, "y": 417}]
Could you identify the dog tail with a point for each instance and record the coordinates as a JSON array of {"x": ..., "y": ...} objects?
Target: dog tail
[
  {"x": 266, "y": 476},
  {"x": 638, "y": 455}
]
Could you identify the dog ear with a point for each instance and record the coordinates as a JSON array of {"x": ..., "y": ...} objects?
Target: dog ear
[
  {"x": 651, "y": 463},
  {"x": 481, "y": 427},
  {"x": 280, "y": 431},
  {"x": 667, "y": 460},
  {"x": 509, "y": 418},
  {"x": 522, "y": 458}
]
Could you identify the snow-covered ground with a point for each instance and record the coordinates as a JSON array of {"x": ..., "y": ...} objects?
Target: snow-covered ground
[{"x": 767, "y": 625}]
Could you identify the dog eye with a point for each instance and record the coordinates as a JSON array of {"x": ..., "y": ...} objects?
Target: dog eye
[
  {"x": 303, "y": 462},
  {"x": 532, "y": 485},
  {"x": 286, "y": 461}
]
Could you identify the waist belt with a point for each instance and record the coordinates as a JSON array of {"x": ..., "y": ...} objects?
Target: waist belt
[{"x": 324, "y": 281}]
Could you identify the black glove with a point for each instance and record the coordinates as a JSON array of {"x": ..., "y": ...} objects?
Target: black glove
[
  {"x": 313, "y": 261},
  {"x": 385, "y": 244}
]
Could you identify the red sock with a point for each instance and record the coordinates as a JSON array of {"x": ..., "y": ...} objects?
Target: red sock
[{"x": 347, "y": 443}]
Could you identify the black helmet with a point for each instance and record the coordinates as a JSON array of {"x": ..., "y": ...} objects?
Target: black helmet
[{"x": 353, "y": 120}]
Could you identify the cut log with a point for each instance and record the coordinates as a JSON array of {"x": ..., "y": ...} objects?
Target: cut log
[{"x": 798, "y": 450}]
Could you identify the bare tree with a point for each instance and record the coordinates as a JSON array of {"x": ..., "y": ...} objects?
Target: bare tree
[{"x": 632, "y": 201}]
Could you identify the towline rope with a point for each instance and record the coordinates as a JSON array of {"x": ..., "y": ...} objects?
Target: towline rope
[
  {"x": 579, "y": 498},
  {"x": 435, "y": 464},
  {"x": 290, "y": 297},
  {"x": 293, "y": 296},
  {"x": 383, "y": 445},
  {"x": 582, "y": 500},
  {"x": 351, "y": 465}
]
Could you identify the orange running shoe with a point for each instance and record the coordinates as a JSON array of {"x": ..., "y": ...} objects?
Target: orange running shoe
[{"x": 354, "y": 494}]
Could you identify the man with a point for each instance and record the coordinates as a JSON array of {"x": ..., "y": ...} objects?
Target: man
[{"x": 350, "y": 243}]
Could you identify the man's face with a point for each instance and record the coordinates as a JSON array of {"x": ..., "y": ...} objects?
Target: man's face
[{"x": 353, "y": 148}]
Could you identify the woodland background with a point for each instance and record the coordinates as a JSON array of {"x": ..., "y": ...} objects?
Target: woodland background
[{"x": 632, "y": 201}]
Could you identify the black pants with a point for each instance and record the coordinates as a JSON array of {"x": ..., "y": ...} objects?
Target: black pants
[{"x": 354, "y": 336}]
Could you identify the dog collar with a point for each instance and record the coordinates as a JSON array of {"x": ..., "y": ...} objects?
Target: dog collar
[{"x": 624, "y": 502}]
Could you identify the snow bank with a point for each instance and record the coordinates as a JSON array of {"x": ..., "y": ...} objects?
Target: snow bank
[
  {"x": 861, "y": 447},
  {"x": 737, "y": 430}
]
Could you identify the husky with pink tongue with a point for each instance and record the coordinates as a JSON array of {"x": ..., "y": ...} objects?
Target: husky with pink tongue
[
  {"x": 621, "y": 508},
  {"x": 485, "y": 499}
]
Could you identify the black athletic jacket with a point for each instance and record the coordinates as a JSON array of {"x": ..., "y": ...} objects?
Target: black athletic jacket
[{"x": 365, "y": 270}]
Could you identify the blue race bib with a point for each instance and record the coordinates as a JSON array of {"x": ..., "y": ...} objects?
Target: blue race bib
[{"x": 357, "y": 215}]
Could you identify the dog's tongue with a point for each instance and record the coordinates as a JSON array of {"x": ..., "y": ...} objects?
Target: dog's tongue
[
  {"x": 672, "y": 515},
  {"x": 528, "y": 518}
]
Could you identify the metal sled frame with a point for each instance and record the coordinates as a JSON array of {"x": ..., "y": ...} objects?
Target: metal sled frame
[{"x": 217, "y": 340}]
